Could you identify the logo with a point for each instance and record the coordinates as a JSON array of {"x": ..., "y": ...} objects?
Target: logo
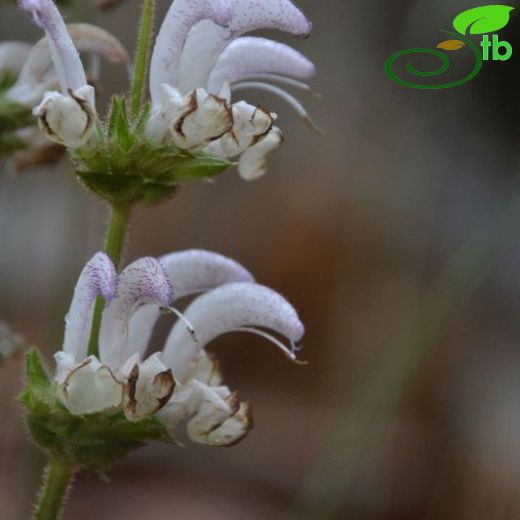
[{"x": 478, "y": 21}]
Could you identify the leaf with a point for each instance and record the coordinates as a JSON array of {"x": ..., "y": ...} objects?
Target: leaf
[
  {"x": 38, "y": 396},
  {"x": 114, "y": 188},
  {"x": 119, "y": 129},
  {"x": 451, "y": 45},
  {"x": 35, "y": 370},
  {"x": 482, "y": 20}
]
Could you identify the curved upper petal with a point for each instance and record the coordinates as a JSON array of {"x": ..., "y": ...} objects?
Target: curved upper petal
[
  {"x": 65, "y": 56},
  {"x": 189, "y": 272},
  {"x": 206, "y": 41},
  {"x": 181, "y": 17},
  {"x": 97, "y": 278},
  {"x": 144, "y": 281},
  {"x": 250, "y": 55},
  {"x": 225, "y": 309}
]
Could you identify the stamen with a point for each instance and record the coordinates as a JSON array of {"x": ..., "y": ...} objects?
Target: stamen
[
  {"x": 180, "y": 315},
  {"x": 285, "y": 80},
  {"x": 288, "y": 352},
  {"x": 291, "y": 100}
]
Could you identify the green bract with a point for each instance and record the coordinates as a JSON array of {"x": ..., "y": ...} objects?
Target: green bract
[
  {"x": 123, "y": 166},
  {"x": 93, "y": 441}
]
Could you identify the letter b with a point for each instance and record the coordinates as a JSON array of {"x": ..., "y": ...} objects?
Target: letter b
[{"x": 497, "y": 45}]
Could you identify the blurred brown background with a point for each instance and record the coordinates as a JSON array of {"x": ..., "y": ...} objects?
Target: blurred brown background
[{"x": 354, "y": 227}]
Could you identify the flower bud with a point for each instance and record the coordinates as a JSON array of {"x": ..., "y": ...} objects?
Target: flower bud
[{"x": 67, "y": 119}]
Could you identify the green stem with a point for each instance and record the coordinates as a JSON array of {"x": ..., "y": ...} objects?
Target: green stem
[
  {"x": 57, "y": 479},
  {"x": 114, "y": 244},
  {"x": 142, "y": 57}
]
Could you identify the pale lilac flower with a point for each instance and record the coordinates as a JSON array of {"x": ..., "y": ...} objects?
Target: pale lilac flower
[
  {"x": 200, "y": 58},
  {"x": 179, "y": 382},
  {"x": 66, "y": 116}
]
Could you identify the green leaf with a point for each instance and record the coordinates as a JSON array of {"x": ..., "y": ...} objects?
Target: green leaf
[
  {"x": 118, "y": 128},
  {"x": 483, "y": 20},
  {"x": 114, "y": 188},
  {"x": 35, "y": 370},
  {"x": 194, "y": 166},
  {"x": 155, "y": 192},
  {"x": 38, "y": 397}
]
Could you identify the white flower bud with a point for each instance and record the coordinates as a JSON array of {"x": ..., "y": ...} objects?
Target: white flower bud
[{"x": 67, "y": 119}]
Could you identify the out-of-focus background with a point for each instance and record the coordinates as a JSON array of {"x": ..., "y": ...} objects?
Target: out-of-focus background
[{"x": 393, "y": 234}]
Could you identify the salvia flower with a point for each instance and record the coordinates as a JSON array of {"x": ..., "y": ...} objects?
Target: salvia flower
[
  {"x": 179, "y": 382},
  {"x": 32, "y": 74},
  {"x": 200, "y": 58},
  {"x": 66, "y": 116}
]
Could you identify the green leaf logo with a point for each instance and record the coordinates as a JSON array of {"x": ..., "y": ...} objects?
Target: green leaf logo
[{"x": 483, "y": 20}]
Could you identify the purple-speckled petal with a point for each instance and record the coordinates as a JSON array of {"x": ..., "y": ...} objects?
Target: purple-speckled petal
[
  {"x": 206, "y": 40},
  {"x": 247, "y": 56},
  {"x": 181, "y": 17},
  {"x": 67, "y": 62},
  {"x": 142, "y": 282},
  {"x": 225, "y": 309},
  {"x": 97, "y": 278},
  {"x": 189, "y": 272}
]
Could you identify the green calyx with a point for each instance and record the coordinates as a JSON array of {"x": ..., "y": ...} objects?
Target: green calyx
[
  {"x": 123, "y": 166},
  {"x": 92, "y": 442}
]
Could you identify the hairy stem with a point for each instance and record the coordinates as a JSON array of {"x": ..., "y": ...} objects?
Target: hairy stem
[
  {"x": 142, "y": 57},
  {"x": 56, "y": 482},
  {"x": 114, "y": 244}
]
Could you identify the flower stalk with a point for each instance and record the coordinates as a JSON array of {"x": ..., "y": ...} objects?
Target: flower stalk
[
  {"x": 142, "y": 58},
  {"x": 57, "y": 480},
  {"x": 114, "y": 243}
]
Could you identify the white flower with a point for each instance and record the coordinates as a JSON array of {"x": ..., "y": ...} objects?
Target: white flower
[
  {"x": 66, "y": 116},
  {"x": 200, "y": 57},
  {"x": 180, "y": 382}
]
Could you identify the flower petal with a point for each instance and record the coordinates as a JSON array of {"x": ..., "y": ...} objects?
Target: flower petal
[
  {"x": 206, "y": 118},
  {"x": 67, "y": 62},
  {"x": 248, "y": 56},
  {"x": 250, "y": 123},
  {"x": 179, "y": 20},
  {"x": 90, "y": 387},
  {"x": 37, "y": 75},
  {"x": 97, "y": 278},
  {"x": 187, "y": 400},
  {"x": 67, "y": 119},
  {"x": 253, "y": 162},
  {"x": 13, "y": 55},
  {"x": 189, "y": 272},
  {"x": 217, "y": 427},
  {"x": 143, "y": 281},
  {"x": 206, "y": 369},
  {"x": 206, "y": 40},
  {"x": 225, "y": 309},
  {"x": 148, "y": 388}
]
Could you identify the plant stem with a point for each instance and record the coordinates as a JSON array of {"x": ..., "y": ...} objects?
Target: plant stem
[
  {"x": 114, "y": 244},
  {"x": 142, "y": 57},
  {"x": 57, "y": 479}
]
